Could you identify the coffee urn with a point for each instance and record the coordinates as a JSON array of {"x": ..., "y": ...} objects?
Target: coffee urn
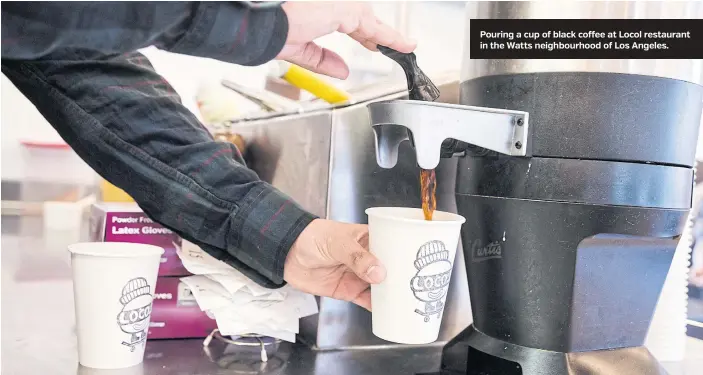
[{"x": 575, "y": 178}]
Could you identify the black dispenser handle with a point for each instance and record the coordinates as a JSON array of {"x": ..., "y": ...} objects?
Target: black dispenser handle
[{"x": 420, "y": 87}]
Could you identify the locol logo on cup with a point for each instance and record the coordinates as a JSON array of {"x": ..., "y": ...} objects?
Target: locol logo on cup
[
  {"x": 430, "y": 284},
  {"x": 491, "y": 251},
  {"x": 134, "y": 318}
]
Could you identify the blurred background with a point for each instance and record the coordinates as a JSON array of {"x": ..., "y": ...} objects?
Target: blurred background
[{"x": 23, "y": 127}]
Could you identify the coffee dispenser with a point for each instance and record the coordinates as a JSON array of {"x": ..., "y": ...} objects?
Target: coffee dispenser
[{"x": 575, "y": 184}]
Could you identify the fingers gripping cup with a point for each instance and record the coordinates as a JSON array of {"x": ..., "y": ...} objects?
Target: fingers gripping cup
[
  {"x": 113, "y": 285},
  {"x": 419, "y": 256}
]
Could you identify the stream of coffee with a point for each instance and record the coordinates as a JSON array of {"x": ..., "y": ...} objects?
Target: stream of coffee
[{"x": 428, "y": 189}]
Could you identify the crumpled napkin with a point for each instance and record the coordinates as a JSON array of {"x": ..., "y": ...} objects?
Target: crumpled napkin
[{"x": 240, "y": 306}]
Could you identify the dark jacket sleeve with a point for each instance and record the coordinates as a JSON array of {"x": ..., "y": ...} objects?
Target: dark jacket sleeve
[
  {"x": 129, "y": 125},
  {"x": 228, "y": 31}
]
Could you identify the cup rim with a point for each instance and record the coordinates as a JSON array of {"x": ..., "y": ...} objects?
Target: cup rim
[
  {"x": 452, "y": 218},
  {"x": 115, "y": 249}
]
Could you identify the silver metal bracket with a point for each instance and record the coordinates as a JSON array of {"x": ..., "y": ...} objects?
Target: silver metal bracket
[{"x": 501, "y": 130}]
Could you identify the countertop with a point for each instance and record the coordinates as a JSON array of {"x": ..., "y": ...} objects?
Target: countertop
[{"x": 38, "y": 327}]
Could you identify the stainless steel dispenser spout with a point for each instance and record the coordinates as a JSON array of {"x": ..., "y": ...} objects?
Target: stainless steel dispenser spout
[{"x": 429, "y": 124}]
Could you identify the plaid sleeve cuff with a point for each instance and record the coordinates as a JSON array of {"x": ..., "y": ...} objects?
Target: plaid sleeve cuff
[
  {"x": 265, "y": 227},
  {"x": 235, "y": 33}
]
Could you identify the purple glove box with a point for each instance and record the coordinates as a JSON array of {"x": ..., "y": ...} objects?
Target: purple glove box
[
  {"x": 175, "y": 314},
  {"x": 126, "y": 222}
]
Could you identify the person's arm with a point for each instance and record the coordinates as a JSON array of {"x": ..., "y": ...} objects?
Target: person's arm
[
  {"x": 129, "y": 125},
  {"x": 228, "y": 31}
]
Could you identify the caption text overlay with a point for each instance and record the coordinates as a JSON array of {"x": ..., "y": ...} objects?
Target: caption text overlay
[{"x": 586, "y": 39}]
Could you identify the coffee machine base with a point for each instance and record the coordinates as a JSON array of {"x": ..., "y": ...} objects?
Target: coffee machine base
[{"x": 475, "y": 353}]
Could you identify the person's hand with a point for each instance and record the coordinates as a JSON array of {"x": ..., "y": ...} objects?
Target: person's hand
[
  {"x": 309, "y": 20},
  {"x": 332, "y": 259}
]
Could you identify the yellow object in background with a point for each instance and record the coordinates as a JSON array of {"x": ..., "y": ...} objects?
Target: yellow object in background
[
  {"x": 308, "y": 81},
  {"x": 111, "y": 193}
]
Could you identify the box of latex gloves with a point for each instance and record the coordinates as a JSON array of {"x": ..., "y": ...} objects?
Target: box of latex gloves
[{"x": 126, "y": 222}]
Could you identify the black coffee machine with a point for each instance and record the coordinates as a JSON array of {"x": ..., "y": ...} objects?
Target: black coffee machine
[{"x": 576, "y": 187}]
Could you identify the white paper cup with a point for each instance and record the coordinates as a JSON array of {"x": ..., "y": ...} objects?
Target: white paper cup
[
  {"x": 113, "y": 286},
  {"x": 419, "y": 256},
  {"x": 134, "y": 370}
]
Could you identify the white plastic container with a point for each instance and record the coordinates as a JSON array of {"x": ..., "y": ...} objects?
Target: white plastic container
[
  {"x": 113, "y": 286},
  {"x": 62, "y": 216},
  {"x": 418, "y": 255},
  {"x": 65, "y": 216}
]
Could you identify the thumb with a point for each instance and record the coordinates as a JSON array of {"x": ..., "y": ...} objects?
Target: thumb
[{"x": 358, "y": 258}]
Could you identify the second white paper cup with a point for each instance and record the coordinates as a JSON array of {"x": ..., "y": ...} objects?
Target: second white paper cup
[
  {"x": 419, "y": 256},
  {"x": 113, "y": 286}
]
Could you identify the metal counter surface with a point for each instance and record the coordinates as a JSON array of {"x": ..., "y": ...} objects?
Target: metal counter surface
[{"x": 38, "y": 332}]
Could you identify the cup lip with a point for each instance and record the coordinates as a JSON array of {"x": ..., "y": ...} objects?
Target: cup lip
[
  {"x": 453, "y": 218},
  {"x": 115, "y": 249}
]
